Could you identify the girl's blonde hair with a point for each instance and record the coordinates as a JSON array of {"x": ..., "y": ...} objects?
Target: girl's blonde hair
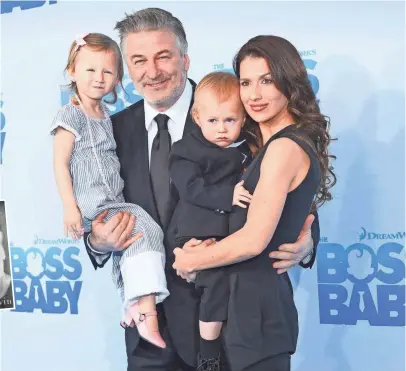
[{"x": 96, "y": 42}]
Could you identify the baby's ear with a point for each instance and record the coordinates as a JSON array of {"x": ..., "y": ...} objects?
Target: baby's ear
[{"x": 195, "y": 115}]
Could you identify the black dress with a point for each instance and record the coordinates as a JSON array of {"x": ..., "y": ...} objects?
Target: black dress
[{"x": 262, "y": 317}]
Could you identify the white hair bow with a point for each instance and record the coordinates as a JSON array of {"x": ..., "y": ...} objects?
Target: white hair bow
[{"x": 80, "y": 40}]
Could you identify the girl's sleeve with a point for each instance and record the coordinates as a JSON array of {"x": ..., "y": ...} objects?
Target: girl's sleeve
[{"x": 71, "y": 119}]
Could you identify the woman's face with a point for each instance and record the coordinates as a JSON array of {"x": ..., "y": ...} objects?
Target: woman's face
[{"x": 261, "y": 99}]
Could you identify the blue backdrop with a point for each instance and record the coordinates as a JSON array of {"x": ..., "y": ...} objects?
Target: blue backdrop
[{"x": 351, "y": 304}]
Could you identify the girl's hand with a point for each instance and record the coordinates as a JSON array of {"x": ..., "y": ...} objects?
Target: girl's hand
[
  {"x": 241, "y": 195},
  {"x": 72, "y": 221}
]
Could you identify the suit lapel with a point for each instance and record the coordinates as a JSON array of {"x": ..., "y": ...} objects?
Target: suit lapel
[
  {"x": 188, "y": 128},
  {"x": 189, "y": 124},
  {"x": 141, "y": 176}
]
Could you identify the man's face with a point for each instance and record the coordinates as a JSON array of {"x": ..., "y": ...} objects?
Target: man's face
[{"x": 156, "y": 66}]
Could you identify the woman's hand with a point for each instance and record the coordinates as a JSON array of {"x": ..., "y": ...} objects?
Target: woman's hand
[
  {"x": 184, "y": 256},
  {"x": 72, "y": 222},
  {"x": 197, "y": 245}
]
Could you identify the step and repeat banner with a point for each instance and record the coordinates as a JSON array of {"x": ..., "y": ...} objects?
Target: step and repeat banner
[{"x": 351, "y": 304}]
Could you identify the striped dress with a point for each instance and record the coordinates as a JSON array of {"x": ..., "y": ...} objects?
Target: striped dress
[{"x": 97, "y": 186}]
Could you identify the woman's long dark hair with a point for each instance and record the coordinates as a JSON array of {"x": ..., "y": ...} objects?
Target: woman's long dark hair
[{"x": 290, "y": 78}]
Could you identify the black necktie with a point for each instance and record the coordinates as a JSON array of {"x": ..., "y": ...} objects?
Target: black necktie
[{"x": 159, "y": 169}]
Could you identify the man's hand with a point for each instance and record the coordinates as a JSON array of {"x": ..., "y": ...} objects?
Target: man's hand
[
  {"x": 290, "y": 254},
  {"x": 113, "y": 235}
]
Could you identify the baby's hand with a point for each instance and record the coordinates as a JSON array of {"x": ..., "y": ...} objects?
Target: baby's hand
[
  {"x": 241, "y": 195},
  {"x": 72, "y": 221}
]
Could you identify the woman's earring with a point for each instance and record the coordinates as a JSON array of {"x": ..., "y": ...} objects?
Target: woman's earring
[{"x": 72, "y": 79}]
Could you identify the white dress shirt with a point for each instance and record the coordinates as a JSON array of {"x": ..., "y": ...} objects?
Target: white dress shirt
[{"x": 177, "y": 119}]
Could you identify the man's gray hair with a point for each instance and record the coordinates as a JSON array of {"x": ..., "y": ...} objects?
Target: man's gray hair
[{"x": 152, "y": 19}]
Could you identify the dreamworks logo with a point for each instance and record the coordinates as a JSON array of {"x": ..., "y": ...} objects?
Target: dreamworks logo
[{"x": 364, "y": 235}]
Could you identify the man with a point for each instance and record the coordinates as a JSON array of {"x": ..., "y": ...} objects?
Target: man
[{"x": 154, "y": 46}]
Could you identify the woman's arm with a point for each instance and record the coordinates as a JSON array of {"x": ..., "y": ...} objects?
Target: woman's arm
[
  {"x": 63, "y": 147},
  {"x": 277, "y": 178}
]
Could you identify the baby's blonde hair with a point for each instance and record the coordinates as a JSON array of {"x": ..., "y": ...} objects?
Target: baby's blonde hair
[
  {"x": 96, "y": 42},
  {"x": 222, "y": 84}
]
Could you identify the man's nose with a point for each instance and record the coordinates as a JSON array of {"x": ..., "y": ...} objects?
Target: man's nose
[{"x": 152, "y": 71}]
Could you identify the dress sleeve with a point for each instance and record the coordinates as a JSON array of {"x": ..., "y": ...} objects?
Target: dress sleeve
[{"x": 69, "y": 118}]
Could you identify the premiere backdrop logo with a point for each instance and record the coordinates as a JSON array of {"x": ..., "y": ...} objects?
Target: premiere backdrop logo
[
  {"x": 47, "y": 276},
  {"x": 364, "y": 281},
  {"x": 10, "y": 6}
]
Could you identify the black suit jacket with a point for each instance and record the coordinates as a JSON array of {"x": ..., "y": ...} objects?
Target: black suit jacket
[
  {"x": 204, "y": 175},
  {"x": 181, "y": 307}
]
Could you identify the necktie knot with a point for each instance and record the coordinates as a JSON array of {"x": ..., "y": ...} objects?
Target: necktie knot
[{"x": 162, "y": 121}]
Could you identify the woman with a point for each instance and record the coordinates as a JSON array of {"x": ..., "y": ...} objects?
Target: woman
[{"x": 289, "y": 176}]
